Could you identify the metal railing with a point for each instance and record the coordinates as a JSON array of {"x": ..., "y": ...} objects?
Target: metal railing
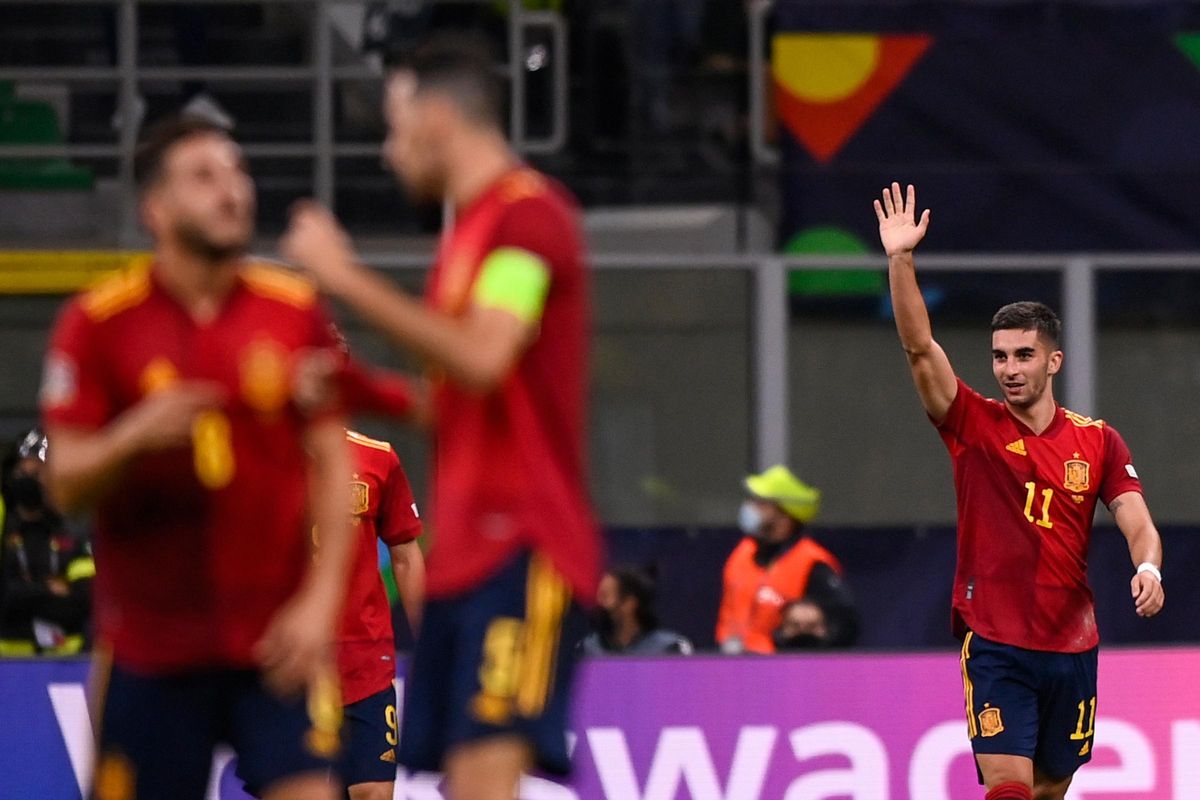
[
  {"x": 321, "y": 73},
  {"x": 758, "y": 65},
  {"x": 771, "y": 316}
]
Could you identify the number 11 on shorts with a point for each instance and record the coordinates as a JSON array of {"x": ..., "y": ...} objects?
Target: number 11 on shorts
[{"x": 1080, "y": 734}]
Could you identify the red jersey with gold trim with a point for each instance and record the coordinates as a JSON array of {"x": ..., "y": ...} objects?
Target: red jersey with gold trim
[
  {"x": 510, "y": 465},
  {"x": 1025, "y": 509},
  {"x": 198, "y": 546},
  {"x": 383, "y": 508}
]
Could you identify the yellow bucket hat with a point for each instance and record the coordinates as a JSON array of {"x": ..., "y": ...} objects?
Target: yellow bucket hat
[{"x": 778, "y": 485}]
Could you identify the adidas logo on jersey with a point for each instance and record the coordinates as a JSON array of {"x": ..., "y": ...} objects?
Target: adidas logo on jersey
[{"x": 1017, "y": 447}]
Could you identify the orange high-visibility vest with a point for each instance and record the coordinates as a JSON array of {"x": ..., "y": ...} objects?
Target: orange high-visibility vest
[{"x": 754, "y": 597}]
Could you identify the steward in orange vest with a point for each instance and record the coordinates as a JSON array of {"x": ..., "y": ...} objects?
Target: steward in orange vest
[{"x": 776, "y": 566}]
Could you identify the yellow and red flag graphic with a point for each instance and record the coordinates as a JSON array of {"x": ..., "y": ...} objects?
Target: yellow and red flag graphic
[{"x": 828, "y": 84}]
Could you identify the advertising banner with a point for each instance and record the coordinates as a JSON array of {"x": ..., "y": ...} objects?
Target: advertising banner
[{"x": 825, "y": 727}]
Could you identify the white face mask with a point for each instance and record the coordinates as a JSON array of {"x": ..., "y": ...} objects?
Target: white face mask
[{"x": 750, "y": 519}]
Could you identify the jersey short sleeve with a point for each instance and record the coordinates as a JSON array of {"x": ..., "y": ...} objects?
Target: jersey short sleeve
[
  {"x": 399, "y": 520},
  {"x": 961, "y": 419},
  {"x": 517, "y": 273},
  {"x": 74, "y": 390},
  {"x": 1119, "y": 474}
]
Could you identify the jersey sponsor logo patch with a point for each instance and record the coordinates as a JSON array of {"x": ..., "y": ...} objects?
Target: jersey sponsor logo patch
[
  {"x": 990, "y": 722},
  {"x": 264, "y": 374},
  {"x": 1077, "y": 475},
  {"x": 388, "y": 755},
  {"x": 1131, "y": 472},
  {"x": 1017, "y": 447},
  {"x": 360, "y": 497},
  {"x": 60, "y": 380}
]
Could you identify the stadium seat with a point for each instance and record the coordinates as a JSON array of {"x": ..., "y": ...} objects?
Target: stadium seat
[{"x": 34, "y": 122}]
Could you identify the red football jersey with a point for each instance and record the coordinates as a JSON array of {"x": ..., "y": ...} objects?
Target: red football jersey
[
  {"x": 384, "y": 509},
  {"x": 1025, "y": 508},
  {"x": 198, "y": 546},
  {"x": 509, "y": 468}
]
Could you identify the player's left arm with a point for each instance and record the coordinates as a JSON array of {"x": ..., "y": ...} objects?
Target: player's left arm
[
  {"x": 408, "y": 568},
  {"x": 1121, "y": 491},
  {"x": 477, "y": 349},
  {"x": 297, "y": 644},
  {"x": 398, "y": 526},
  {"x": 1145, "y": 548}
]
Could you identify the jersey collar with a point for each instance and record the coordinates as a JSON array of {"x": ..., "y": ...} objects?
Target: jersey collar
[{"x": 1055, "y": 423}]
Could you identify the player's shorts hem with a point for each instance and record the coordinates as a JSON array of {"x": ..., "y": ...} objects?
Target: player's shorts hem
[
  {"x": 447, "y": 702},
  {"x": 369, "y": 739},
  {"x": 434, "y": 762}
]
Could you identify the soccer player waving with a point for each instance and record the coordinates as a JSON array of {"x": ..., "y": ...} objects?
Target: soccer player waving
[
  {"x": 1027, "y": 476},
  {"x": 504, "y": 329}
]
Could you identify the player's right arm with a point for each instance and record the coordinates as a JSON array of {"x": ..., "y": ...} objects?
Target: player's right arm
[
  {"x": 84, "y": 464},
  {"x": 478, "y": 349},
  {"x": 91, "y": 445},
  {"x": 900, "y": 232}
]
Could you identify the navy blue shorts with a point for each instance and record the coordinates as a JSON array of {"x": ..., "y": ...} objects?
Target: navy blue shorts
[
  {"x": 157, "y": 733},
  {"x": 496, "y": 660},
  {"x": 369, "y": 738},
  {"x": 1030, "y": 703}
]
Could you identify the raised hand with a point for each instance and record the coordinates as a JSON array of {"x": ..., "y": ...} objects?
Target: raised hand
[
  {"x": 297, "y": 644},
  {"x": 899, "y": 230},
  {"x": 316, "y": 241},
  {"x": 163, "y": 419}
]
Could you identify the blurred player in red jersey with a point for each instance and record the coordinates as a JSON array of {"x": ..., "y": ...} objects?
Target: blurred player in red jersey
[
  {"x": 167, "y": 396},
  {"x": 384, "y": 510},
  {"x": 504, "y": 328},
  {"x": 1027, "y": 475}
]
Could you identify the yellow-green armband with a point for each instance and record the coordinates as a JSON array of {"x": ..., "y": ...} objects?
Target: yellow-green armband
[{"x": 513, "y": 280}]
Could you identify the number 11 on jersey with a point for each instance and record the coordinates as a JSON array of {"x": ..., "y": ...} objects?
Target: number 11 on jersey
[{"x": 1047, "y": 496}]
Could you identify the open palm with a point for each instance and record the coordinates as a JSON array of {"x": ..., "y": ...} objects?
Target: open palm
[{"x": 899, "y": 230}]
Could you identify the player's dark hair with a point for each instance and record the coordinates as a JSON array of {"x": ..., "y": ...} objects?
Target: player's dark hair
[
  {"x": 1028, "y": 315},
  {"x": 461, "y": 67},
  {"x": 638, "y": 583},
  {"x": 158, "y": 140}
]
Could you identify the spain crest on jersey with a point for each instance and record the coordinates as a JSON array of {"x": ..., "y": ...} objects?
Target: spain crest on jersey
[
  {"x": 264, "y": 375},
  {"x": 360, "y": 497},
  {"x": 1076, "y": 475}
]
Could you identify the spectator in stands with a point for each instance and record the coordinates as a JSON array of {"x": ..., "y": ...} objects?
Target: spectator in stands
[
  {"x": 626, "y": 619},
  {"x": 806, "y": 625},
  {"x": 778, "y": 564},
  {"x": 45, "y": 571},
  {"x": 663, "y": 36}
]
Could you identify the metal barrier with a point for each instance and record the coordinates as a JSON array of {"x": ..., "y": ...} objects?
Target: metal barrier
[
  {"x": 321, "y": 73},
  {"x": 764, "y": 153},
  {"x": 771, "y": 314},
  {"x": 758, "y": 333}
]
